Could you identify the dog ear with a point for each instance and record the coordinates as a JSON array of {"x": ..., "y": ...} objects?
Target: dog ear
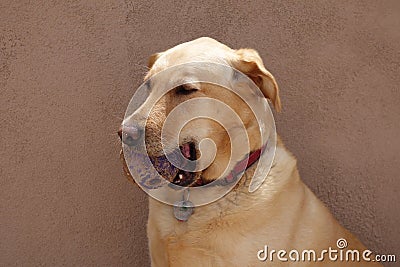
[
  {"x": 250, "y": 63},
  {"x": 152, "y": 59}
]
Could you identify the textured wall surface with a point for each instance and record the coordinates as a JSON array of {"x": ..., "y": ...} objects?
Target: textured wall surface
[{"x": 68, "y": 70}]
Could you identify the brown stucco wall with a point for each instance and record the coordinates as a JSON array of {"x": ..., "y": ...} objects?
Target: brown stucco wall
[{"x": 68, "y": 70}]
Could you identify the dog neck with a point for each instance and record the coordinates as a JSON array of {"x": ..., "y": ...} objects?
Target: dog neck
[
  {"x": 283, "y": 166},
  {"x": 240, "y": 199},
  {"x": 242, "y": 166},
  {"x": 183, "y": 209},
  {"x": 284, "y": 163}
]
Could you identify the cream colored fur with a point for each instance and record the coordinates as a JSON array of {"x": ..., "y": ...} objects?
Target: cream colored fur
[{"x": 283, "y": 213}]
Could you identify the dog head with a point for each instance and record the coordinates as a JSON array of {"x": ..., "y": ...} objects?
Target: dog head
[{"x": 148, "y": 120}]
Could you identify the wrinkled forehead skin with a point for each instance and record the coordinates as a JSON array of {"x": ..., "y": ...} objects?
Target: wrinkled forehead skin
[{"x": 200, "y": 50}]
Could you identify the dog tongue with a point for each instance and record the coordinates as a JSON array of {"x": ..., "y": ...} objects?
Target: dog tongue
[{"x": 185, "y": 149}]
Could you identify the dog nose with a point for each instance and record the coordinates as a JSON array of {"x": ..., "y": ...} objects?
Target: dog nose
[{"x": 130, "y": 135}]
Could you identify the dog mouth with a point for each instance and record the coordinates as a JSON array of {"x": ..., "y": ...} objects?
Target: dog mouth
[{"x": 176, "y": 175}]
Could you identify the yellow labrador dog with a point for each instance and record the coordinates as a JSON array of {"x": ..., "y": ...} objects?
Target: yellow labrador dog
[{"x": 280, "y": 224}]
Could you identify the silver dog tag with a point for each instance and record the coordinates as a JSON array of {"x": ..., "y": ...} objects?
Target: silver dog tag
[{"x": 183, "y": 209}]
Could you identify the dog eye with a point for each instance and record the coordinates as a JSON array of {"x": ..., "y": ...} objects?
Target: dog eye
[{"x": 185, "y": 90}]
